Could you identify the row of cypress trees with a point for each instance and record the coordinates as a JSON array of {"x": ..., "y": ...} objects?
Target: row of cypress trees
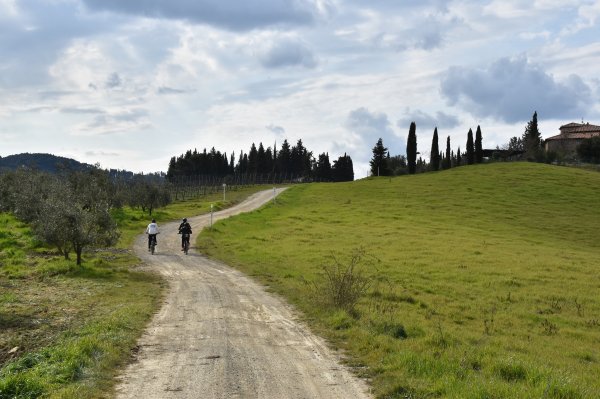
[
  {"x": 293, "y": 162},
  {"x": 381, "y": 163}
]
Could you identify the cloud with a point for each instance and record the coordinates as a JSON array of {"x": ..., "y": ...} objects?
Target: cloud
[
  {"x": 286, "y": 53},
  {"x": 117, "y": 122},
  {"x": 232, "y": 15},
  {"x": 75, "y": 110},
  {"x": 278, "y": 130},
  {"x": 113, "y": 81},
  {"x": 369, "y": 127},
  {"x": 511, "y": 89},
  {"x": 168, "y": 90},
  {"x": 35, "y": 36},
  {"x": 588, "y": 15},
  {"x": 102, "y": 154},
  {"x": 425, "y": 120}
]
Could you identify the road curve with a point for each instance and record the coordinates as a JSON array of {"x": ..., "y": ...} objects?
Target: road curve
[{"x": 220, "y": 335}]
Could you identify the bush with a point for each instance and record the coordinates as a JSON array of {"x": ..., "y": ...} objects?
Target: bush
[
  {"x": 511, "y": 371},
  {"x": 589, "y": 150},
  {"x": 344, "y": 284}
]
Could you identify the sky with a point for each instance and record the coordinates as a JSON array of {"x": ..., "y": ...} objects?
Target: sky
[{"x": 130, "y": 84}]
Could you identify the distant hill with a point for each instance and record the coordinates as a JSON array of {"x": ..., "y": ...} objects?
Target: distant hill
[{"x": 44, "y": 162}]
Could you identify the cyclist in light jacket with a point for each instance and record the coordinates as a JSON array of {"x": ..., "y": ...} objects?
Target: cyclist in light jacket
[{"x": 152, "y": 231}]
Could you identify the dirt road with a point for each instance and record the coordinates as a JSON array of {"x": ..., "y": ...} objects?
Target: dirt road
[{"x": 220, "y": 335}]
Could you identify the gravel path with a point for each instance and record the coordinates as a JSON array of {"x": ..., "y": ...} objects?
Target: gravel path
[{"x": 220, "y": 335}]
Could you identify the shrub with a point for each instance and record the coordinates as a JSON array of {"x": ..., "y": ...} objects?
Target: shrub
[
  {"x": 344, "y": 284},
  {"x": 511, "y": 371}
]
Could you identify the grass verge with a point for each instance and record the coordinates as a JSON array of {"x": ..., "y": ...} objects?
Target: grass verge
[
  {"x": 66, "y": 330},
  {"x": 484, "y": 280}
]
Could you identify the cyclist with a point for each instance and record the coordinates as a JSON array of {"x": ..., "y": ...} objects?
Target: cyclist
[
  {"x": 152, "y": 231},
  {"x": 185, "y": 230}
]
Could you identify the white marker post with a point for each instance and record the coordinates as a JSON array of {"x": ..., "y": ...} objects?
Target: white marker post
[
  {"x": 224, "y": 185},
  {"x": 211, "y": 215},
  {"x": 273, "y": 194}
]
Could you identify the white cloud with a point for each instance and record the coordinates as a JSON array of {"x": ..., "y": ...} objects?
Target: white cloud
[
  {"x": 335, "y": 73},
  {"x": 287, "y": 52},
  {"x": 510, "y": 89},
  {"x": 368, "y": 127},
  {"x": 428, "y": 121},
  {"x": 588, "y": 15},
  {"x": 8, "y": 9},
  {"x": 278, "y": 130},
  {"x": 118, "y": 121},
  {"x": 234, "y": 15}
]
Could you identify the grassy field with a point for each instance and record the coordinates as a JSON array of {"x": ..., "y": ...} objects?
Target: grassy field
[
  {"x": 484, "y": 280},
  {"x": 66, "y": 330}
]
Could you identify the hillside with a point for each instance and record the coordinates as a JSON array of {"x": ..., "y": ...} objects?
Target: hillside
[
  {"x": 483, "y": 279},
  {"x": 44, "y": 162}
]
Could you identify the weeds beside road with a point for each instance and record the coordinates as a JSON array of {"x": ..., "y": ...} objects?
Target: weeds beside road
[
  {"x": 486, "y": 283},
  {"x": 66, "y": 329}
]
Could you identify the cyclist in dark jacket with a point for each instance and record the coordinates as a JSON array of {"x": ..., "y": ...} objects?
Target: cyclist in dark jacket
[{"x": 185, "y": 230}]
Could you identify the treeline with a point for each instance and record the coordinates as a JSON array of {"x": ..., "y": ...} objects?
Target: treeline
[
  {"x": 289, "y": 163},
  {"x": 71, "y": 210},
  {"x": 382, "y": 164},
  {"x": 529, "y": 146}
]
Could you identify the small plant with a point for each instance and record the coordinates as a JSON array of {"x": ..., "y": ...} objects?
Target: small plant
[
  {"x": 579, "y": 307},
  {"x": 392, "y": 329},
  {"x": 549, "y": 327},
  {"x": 345, "y": 284},
  {"x": 511, "y": 371},
  {"x": 556, "y": 304},
  {"x": 441, "y": 339},
  {"x": 593, "y": 323},
  {"x": 488, "y": 321}
]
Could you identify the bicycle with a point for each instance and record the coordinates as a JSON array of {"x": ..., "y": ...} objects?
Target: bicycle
[
  {"x": 153, "y": 244},
  {"x": 186, "y": 243}
]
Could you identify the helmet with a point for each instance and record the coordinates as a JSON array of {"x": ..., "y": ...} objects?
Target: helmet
[
  {"x": 153, "y": 220},
  {"x": 184, "y": 220}
]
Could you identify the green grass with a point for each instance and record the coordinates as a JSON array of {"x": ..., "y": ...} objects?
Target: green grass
[
  {"x": 485, "y": 279},
  {"x": 65, "y": 330},
  {"x": 133, "y": 222}
]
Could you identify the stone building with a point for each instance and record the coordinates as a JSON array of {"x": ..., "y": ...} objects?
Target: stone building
[{"x": 571, "y": 135}]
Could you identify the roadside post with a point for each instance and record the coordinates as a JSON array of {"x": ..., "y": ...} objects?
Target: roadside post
[
  {"x": 274, "y": 200},
  {"x": 224, "y": 186},
  {"x": 211, "y": 215}
]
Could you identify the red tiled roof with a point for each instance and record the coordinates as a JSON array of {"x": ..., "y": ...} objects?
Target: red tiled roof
[
  {"x": 579, "y": 128},
  {"x": 572, "y": 124},
  {"x": 576, "y": 131},
  {"x": 576, "y": 135}
]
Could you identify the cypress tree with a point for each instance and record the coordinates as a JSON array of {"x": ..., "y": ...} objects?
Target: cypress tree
[
  {"x": 470, "y": 148},
  {"x": 269, "y": 162},
  {"x": 379, "y": 165},
  {"x": 343, "y": 169},
  {"x": 253, "y": 159},
  {"x": 411, "y": 149},
  {"x": 261, "y": 159},
  {"x": 435, "y": 152},
  {"x": 323, "y": 168},
  {"x": 532, "y": 139},
  {"x": 458, "y": 157},
  {"x": 478, "y": 146},
  {"x": 284, "y": 158},
  {"x": 448, "y": 163}
]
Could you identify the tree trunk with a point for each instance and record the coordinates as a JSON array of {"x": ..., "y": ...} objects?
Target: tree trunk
[{"x": 78, "y": 250}]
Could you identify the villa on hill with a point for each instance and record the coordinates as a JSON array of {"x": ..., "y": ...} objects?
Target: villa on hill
[{"x": 571, "y": 135}]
